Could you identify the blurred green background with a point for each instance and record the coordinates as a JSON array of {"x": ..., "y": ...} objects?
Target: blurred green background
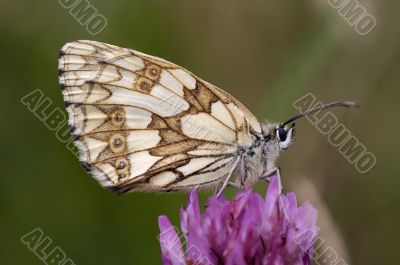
[{"x": 267, "y": 54}]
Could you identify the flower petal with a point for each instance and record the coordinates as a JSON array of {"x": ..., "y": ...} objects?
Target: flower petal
[
  {"x": 198, "y": 247},
  {"x": 171, "y": 248}
]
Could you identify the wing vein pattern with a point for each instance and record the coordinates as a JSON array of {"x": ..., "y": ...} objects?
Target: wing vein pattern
[{"x": 143, "y": 123}]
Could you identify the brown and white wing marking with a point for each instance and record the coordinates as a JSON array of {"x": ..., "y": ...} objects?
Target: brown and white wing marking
[{"x": 142, "y": 123}]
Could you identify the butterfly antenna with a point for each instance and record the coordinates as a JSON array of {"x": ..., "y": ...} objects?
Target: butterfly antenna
[{"x": 346, "y": 104}]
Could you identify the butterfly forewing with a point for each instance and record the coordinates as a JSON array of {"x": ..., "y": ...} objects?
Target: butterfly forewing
[{"x": 143, "y": 123}]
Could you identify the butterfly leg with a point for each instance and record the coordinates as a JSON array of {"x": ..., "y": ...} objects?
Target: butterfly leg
[
  {"x": 275, "y": 171},
  {"x": 220, "y": 190},
  {"x": 234, "y": 185}
]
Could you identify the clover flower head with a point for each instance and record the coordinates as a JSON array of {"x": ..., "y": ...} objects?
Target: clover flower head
[{"x": 246, "y": 230}]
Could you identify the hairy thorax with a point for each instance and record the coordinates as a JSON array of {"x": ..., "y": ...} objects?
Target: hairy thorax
[{"x": 257, "y": 159}]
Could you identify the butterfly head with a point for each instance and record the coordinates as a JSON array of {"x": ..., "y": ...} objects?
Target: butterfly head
[
  {"x": 278, "y": 137},
  {"x": 284, "y": 136}
]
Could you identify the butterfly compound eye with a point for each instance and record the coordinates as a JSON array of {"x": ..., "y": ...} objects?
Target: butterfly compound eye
[{"x": 281, "y": 133}]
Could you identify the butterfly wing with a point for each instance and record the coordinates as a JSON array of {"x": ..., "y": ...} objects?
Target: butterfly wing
[{"x": 143, "y": 123}]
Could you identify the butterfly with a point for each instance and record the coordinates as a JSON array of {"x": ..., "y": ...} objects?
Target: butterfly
[{"x": 142, "y": 123}]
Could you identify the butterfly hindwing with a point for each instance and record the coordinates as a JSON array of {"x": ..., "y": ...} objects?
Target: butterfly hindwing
[{"x": 143, "y": 123}]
